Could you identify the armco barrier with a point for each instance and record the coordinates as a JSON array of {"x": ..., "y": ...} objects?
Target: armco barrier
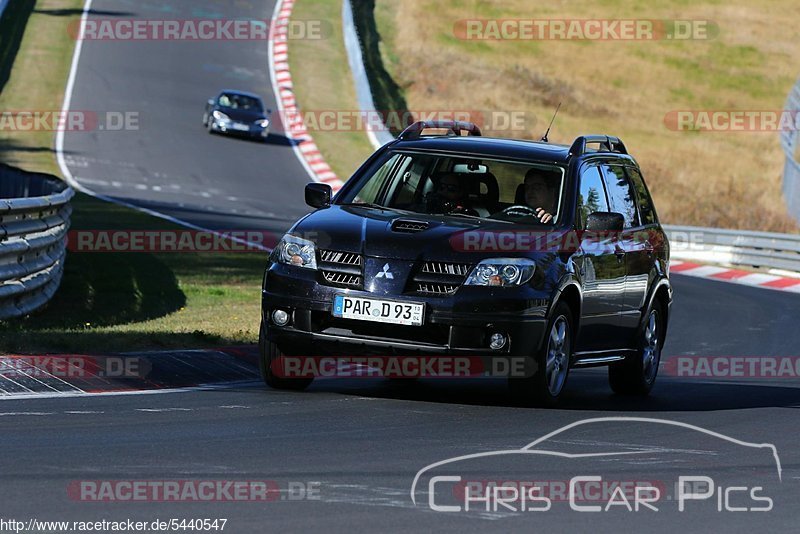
[
  {"x": 34, "y": 219},
  {"x": 353, "y": 44},
  {"x": 735, "y": 247}
]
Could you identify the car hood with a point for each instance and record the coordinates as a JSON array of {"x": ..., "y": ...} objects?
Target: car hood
[
  {"x": 242, "y": 115},
  {"x": 373, "y": 232}
]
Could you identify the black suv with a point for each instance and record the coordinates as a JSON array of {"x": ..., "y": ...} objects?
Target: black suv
[{"x": 452, "y": 244}]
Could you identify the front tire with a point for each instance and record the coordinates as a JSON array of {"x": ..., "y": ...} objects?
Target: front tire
[
  {"x": 551, "y": 366},
  {"x": 636, "y": 375},
  {"x": 269, "y": 356}
]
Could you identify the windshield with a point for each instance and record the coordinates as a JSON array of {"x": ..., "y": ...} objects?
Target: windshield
[
  {"x": 234, "y": 101},
  {"x": 454, "y": 185}
]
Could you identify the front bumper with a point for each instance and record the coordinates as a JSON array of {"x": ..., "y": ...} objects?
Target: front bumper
[
  {"x": 459, "y": 324},
  {"x": 254, "y": 131}
]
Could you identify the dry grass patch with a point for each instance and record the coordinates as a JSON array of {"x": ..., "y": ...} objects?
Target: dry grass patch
[{"x": 621, "y": 87}]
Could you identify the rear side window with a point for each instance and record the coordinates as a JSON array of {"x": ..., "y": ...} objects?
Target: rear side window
[
  {"x": 592, "y": 196},
  {"x": 620, "y": 194},
  {"x": 646, "y": 209}
]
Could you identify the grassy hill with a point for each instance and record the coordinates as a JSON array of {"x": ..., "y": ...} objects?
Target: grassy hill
[{"x": 625, "y": 88}]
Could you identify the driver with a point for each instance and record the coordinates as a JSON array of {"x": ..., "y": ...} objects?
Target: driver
[{"x": 540, "y": 197}]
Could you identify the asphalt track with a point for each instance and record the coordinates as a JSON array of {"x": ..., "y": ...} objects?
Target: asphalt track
[
  {"x": 171, "y": 164},
  {"x": 364, "y": 440}
]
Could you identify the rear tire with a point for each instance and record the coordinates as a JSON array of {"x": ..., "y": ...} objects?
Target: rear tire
[
  {"x": 637, "y": 374},
  {"x": 268, "y": 355},
  {"x": 551, "y": 366}
]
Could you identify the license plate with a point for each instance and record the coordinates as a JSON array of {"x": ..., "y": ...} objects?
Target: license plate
[
  {"x": 380, "y": 311},
  {"x": 241, "y": 127}
]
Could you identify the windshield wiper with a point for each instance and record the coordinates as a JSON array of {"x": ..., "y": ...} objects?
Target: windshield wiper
[
  {"x": 467, "y": 215},
  {"x": 365, "y": 205}
]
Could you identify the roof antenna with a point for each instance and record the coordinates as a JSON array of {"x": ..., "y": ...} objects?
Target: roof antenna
[{"x": 544, "y": 137}]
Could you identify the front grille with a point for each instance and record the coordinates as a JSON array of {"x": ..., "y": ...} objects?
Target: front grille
[
  {"x": 409, "y": 227},
  {"x": 436, "y": 289},
  {"x": 439, "y": 278},
  {"x": 438, "y": 267},
  {"x": 344, "y": 258},
  {"x": 342, "y": 278},
  {"x": 341, "y": 268}
]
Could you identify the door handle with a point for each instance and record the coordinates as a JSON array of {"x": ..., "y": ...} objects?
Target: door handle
[
  {"x": 649, "y": 248},
  {"x": 619, "y": 252}
]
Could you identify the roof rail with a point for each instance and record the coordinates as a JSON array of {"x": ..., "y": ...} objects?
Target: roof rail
[
  {"x": 454, "y": 128},
  {"x": 607, "y": 143}
]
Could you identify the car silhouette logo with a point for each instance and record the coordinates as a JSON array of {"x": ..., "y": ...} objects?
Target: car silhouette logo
[{"x": 385, "y": 273}]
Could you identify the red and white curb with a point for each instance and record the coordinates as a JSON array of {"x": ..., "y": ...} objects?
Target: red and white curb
[
  {"x": 304, "y": 146},
  {"x": 726, "y": 274},
  {"x": 59, "y": 375}
]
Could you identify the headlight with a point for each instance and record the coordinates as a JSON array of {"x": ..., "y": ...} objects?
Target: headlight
[
  {"x": 293, "y": 250},
  {"x": 502, "y": 272},
  {"x": 263, "y": 123},
  {"x": 220, "y": 116}
]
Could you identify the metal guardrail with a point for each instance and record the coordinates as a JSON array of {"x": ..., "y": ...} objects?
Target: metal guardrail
[
  {"x": 735, "y": 247},
  {"x": 790, "y": 140},
  {"x": 34, "y": 218},
  {"x": 380, "y": 135}
]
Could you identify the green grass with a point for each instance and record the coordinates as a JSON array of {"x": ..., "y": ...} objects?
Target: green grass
[
  {"x": 35, "y": 57},
  {"x": 130, "y": 301},
  {"x": 111, "y": 302},
  {"x": 323, "y": 82},
  {"x": 626, "y": 88}
]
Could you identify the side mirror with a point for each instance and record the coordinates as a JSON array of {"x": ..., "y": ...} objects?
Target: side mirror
[
  {"x": 604, "y": 221},
  {"x": 211, "y": 102},
  {"x": 318, "y": 195}
]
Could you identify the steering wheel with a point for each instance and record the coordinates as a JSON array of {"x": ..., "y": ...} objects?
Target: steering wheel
[
  {"x": 521, "y": 207},
  {"x": 465, "y": 210}
]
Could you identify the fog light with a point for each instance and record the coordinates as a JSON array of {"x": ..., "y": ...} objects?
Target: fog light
[
  {"x": 497, "y": 341},
  {"x": 280, "y": 317}
]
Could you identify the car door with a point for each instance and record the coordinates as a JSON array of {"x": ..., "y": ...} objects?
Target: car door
[
  {"x": 601, "y": 270},
  {"x": 633, "y": 240}
]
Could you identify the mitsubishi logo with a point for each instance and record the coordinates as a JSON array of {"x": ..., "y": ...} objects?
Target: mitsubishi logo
[{"x": 385, "y": 273}]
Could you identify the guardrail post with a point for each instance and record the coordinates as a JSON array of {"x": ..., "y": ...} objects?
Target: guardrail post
[{"x": 34, "y": 219}]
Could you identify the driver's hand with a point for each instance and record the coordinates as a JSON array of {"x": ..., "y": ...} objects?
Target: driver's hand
[{"x": 543, "y": 216}]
